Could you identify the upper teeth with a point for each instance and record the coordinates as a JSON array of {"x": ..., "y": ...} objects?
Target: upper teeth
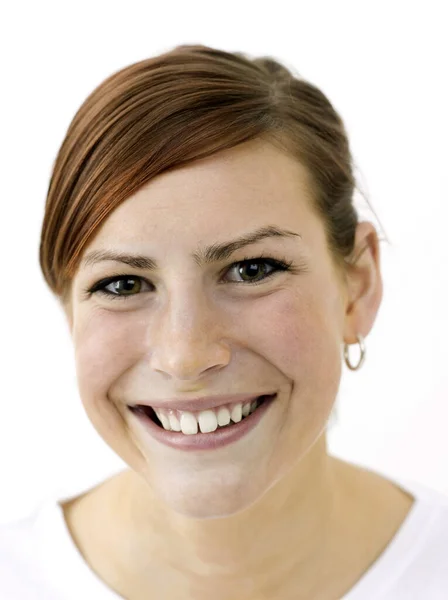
[{"x": 206, "y": 420}]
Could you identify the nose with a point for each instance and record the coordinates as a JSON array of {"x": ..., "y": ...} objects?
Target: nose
[{"x": 188, "y": 340}]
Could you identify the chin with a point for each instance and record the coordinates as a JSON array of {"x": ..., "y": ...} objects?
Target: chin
[
  {"x": 213, "y": 497},
  {"x": 203, "y": 509}
]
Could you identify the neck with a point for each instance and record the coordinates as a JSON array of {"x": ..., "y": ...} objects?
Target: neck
[{"x": 279, "y": 540}]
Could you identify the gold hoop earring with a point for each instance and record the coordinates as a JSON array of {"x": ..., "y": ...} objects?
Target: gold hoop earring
[{"x": 362, "y": 347}]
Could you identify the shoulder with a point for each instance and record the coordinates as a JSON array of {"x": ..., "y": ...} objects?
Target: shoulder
[
  {"x": 17, "y": 547},
  {"x": 434, "y": 532},
  {"x": 414, "y": 562},
  {"x": 21, "y": 573},
  {"x": 422, "y": 561}
]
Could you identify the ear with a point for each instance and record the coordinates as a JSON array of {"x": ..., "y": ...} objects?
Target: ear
[{"x": 364, "y": 284}]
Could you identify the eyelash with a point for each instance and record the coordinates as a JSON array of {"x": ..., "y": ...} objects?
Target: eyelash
[{"x": 278, "y": 266}]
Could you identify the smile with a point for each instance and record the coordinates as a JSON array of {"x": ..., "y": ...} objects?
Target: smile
[
  {"x": 205, "y": 430},
  {"x": 205, "y": 421}
]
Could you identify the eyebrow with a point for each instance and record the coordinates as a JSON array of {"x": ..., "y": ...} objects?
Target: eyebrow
[{"x": 203, "y": 256}]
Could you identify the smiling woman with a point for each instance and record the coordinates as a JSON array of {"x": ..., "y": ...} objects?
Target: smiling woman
[{"x": 200, "y": 234}]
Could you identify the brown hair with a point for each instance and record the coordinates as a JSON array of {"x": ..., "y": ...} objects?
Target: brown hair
[{"x": 186, "y": 104}]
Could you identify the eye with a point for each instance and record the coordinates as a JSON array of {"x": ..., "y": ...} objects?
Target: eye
[
  {"x": 122, "y": 286},
  {"x": 253, "y": 270}
]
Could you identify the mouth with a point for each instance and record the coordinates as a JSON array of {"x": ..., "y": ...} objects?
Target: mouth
[{"x": 187, "y": 423}]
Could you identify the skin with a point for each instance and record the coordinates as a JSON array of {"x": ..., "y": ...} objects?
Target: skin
[{"x": 272, "y": 515}]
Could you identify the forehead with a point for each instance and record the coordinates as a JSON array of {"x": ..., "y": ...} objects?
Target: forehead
[{"x": 229, "y": 192}]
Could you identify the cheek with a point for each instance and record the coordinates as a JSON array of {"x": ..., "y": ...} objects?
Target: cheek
[
  {"x": 106, "y": 346},
  {"x": 301, "y": 335},
  {"x": 296, "y": 332},
  {"x": 104, "y": 350},
  {"x": 304, "y": 345}
]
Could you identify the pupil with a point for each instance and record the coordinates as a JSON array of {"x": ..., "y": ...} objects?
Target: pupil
[
  {"x": 252, "y": 266},
  {"x": 126, "y": 285}
]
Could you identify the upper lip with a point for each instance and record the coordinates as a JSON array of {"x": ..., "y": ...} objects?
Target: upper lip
[{"x": 203, "y": 403}]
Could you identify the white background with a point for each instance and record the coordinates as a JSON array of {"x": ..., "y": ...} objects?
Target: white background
[{"x": 384, "y": 67}]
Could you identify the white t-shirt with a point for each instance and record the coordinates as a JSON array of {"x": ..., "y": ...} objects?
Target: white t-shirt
[{"x": 39, "y": 560}]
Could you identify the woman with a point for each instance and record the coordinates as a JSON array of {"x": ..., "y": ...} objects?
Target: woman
[{"x": 200, "y": 234}]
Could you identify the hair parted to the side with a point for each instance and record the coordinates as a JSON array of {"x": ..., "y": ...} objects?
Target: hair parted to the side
[{"x": 183, "y": 105}]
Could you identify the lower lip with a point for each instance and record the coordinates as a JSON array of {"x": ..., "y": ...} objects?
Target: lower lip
[{"x": 206, "y": 441}]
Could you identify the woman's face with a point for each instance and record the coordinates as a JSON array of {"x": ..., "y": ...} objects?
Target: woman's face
[{"x": 184, "y": 329}]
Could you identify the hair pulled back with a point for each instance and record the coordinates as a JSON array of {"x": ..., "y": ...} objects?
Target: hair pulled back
[{"x": 186, "y": 104}]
